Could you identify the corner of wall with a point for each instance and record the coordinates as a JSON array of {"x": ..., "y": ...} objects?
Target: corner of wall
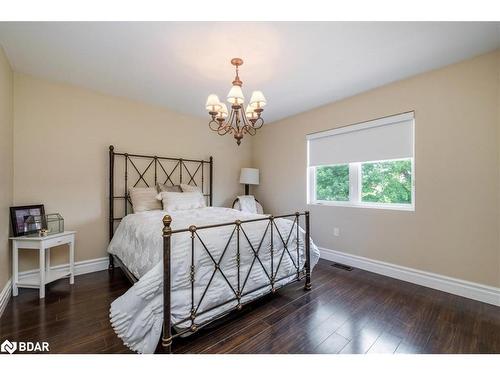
[
  {"x": 498, "y": 152},
  {"x": 6, "y": 163}
]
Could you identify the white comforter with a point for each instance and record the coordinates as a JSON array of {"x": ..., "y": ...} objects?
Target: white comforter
[{"x": 137, "y": 316}]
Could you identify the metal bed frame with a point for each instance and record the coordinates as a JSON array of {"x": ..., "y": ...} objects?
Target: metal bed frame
[{"x": 156, "y": 163}]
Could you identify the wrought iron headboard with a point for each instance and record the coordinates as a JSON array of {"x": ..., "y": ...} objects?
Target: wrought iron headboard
[{"x": 155, "y": 169}]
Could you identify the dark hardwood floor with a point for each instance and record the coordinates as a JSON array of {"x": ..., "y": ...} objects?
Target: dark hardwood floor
[{"x": 346, "y": 312}]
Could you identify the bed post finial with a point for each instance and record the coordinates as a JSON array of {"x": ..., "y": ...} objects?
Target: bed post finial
[
  {"x": 111, "y": 147},
  {"x": 167, "y": 220},
  {"x": 167, "y": 324}
]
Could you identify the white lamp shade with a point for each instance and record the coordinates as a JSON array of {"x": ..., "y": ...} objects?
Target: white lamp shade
[
  {"x": 258, "y": 99},
  {"x": 235, "y": 95},
  {"x": 213, "y": 103},
  {"x": 250, "y": 112},
  {"x": 249, "y": 176},
  {"x": 223, "y": 111}
]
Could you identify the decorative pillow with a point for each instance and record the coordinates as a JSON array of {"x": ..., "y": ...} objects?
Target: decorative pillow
[
  {"x": 169, "y": 188},
  {"x": 190, "y": 188},
  {"x": 144, "y": 199},
  {"x": 248, "y": 203},
  {"x": 181, "y": 201}
]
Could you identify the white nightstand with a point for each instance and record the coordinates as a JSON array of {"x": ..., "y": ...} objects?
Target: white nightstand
[{"x": 43, "y": 245}]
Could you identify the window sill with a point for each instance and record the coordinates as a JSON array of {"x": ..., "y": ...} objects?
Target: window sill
[{"x": 378, "y": 206}]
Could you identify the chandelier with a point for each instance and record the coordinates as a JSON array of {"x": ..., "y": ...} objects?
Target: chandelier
[{"x": 239, "y": 122}]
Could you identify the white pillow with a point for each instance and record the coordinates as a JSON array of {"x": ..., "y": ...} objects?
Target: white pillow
[
  {"x": 190, "y": 188},
  {"x": 181, "y": 201},
  {"x": 144, "y": 199}
]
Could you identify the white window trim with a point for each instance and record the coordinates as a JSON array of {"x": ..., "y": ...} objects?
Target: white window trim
[{"x": 355, "y": 190}]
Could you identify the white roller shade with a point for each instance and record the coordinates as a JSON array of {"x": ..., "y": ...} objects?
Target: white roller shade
[{"x": 381, "y": 139}]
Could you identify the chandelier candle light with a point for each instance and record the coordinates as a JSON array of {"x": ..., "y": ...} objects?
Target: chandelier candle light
[{"x": 239, "y": 122}]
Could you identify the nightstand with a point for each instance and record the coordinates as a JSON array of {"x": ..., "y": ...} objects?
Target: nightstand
[{"x": 46, "y": 274}]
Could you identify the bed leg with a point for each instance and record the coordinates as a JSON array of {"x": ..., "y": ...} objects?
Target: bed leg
[
  {"x": 166, "y": 340},
  {"x": 307, "y": 265},
  {"x": 166, "y": 344},
  {"x": 111, "y": 265}
]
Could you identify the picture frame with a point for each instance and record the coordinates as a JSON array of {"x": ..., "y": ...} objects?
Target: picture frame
[{"x": 19, "y": 215}]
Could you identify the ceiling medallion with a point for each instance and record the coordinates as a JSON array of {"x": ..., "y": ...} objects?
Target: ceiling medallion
[{"x": 239, "y": 122}]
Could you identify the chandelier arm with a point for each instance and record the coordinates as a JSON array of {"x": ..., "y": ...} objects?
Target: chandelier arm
[
  {"x": 255, "y": 124},
  {"x": 247, "y": 125},
  {"x": 258, "y": 123},
  {"x": 231, "y": 119},
  {"x": 226, "y": 128},
  {"x": 245, "y": 119},
  {"x": 250, "y": 130},
  {"x": 214, "y": 125},
  {"x": 223, "y": 130}
]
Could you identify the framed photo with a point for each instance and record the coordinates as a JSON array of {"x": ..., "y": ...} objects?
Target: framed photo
[{"x": 19, "y": 215}]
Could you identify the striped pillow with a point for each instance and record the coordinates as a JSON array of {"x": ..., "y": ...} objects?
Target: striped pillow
[{"x": 144, "y": 199}]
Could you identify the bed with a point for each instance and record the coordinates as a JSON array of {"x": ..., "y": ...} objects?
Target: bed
[{"x": 192, "y": 267}]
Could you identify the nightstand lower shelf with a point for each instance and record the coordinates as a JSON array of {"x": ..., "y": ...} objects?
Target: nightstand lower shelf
[{"x": 33, "y": 281}]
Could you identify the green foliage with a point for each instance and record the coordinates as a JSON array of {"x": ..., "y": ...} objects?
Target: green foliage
[
  {"x": 386, "y": 182},
  {"x": 332, "y": 183},
  {"x": 382, "y": 182}
]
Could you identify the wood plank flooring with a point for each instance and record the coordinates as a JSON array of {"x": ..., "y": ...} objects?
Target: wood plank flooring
[{"x": 346, "y": 312}]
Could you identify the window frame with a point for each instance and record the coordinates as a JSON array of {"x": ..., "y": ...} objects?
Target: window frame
[{"x": 355, "y": 188}]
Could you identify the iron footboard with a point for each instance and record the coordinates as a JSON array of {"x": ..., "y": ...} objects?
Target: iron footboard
[{"x": 240, "y": 234}]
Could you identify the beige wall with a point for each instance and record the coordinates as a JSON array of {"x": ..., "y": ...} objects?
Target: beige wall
[
  {"x": 454, "y": 230},
  {"x": 6, "y": 164},
  {"x": 61, "y": 138},
  {"x": 61, "y": 134}
]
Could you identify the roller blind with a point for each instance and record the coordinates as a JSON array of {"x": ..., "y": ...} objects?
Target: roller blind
[{"x": 381, "y": 139}]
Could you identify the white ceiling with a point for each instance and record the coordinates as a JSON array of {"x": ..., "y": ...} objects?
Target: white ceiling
[{"x": 298, "y": 65}]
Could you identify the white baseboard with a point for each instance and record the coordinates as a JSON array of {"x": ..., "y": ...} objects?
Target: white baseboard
[
  {"x": 81, "y": 267},
  {"x": 5, "y": 296},
  {"x": 475, "y": 291}
]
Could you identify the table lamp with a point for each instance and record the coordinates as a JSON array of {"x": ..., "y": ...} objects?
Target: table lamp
[{"x": 249, "y": 176}]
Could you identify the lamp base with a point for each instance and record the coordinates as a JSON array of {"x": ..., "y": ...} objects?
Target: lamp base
[{"x": 247, "y": 189}]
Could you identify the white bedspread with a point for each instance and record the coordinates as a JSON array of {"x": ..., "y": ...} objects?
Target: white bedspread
[{"x": 137, "y": 316}]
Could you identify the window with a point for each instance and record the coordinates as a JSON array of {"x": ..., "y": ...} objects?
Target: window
[
  {"x": 332, "y": 183},
  {"x": 364, "y": 165},
  {"x": 386, "y": 181}
]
